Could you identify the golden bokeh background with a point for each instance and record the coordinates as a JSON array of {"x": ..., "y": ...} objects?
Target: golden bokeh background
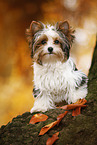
[{"x": 16, "y": 73}]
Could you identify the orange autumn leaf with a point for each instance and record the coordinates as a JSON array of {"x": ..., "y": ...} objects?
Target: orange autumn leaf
[
  {"x": 76, "y": 107},
  {"x": 83, "y": 101},
  {"x": 79, "y": 103},
  {"x": 51, "y": 140},
  {"x": 47, "y": 127},
  {"x": 59, "y": 118},
  {"x": 51, "y": 125},
  {"x": 76, "y": 112},
  {"x": 72, "y": 106},
  {"x": 38, "y": 118}
]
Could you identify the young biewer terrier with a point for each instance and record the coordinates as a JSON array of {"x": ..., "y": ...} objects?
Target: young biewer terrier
[{"x": 56, "y": 77}]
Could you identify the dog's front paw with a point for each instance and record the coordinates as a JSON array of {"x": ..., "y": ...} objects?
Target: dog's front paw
[
  {"x": 37, "y": 109},
  {"x": 42, "y": 104}
]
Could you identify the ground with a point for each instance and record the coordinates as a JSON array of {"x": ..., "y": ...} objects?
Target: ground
[{"x": 79, "y": 130}]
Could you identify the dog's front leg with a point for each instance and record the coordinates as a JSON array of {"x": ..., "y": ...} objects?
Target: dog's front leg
[{"x": 43, "y": 102}]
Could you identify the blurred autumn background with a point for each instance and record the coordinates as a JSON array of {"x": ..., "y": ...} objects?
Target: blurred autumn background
[{"x": 16, "y": 73}]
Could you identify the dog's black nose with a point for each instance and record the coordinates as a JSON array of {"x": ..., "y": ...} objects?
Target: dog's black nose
[{"x": 50, "y": 49}]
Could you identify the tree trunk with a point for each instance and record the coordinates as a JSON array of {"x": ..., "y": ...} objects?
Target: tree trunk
[{"x": 79, "y": 130}]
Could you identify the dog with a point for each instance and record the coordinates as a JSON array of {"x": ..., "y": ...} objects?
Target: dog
[{"x": 56, "y": 77}]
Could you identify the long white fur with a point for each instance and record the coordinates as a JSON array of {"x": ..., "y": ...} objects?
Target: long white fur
[{"x": 57, "y": 82}]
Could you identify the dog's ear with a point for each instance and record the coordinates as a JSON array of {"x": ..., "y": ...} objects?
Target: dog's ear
[
  {"x": 34, "y": 27},
  {"x": 65, "y": 29},
  {"x": 63, "y": 26}
]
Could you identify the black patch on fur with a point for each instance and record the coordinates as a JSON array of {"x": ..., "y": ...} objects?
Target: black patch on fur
[
  {"x": 33, "y": 41},
  {"x": 65, "y": 44},
  {"x": 36, "y": 92},
  {"x": 83, "y": 81},
  {"x": 66, "y": 49},
  {"x": 75, "y": 69}
]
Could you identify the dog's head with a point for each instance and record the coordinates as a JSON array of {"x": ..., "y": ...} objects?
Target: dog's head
[{"x": 49, "y": 43}]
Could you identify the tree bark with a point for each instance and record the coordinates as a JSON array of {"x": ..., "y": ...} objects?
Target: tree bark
[{"x": 78, "y": 130}]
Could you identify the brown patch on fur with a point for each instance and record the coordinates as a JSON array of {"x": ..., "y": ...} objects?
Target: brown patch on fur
[
  {"x": 38, "y": 42},
  {"x": 38, "y": 55},
  {"x": 34, "y": 27}
]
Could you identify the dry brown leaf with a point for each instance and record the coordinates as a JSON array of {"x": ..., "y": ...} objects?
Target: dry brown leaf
[
  {"x": 51, "y": 125},
  {"x": 76, "y": 107},
  {"x": 38, "y": 118},
  {"x": 47, "y": 127},
  {"x": 72, "y": 106},
  {"x": 83, "y": 101},
  {"x": 59, "y": 118},
  {"x": 76, "y": 112},
  {"x": 79, "y": 103},
  {"x": 51, "y": 140}
]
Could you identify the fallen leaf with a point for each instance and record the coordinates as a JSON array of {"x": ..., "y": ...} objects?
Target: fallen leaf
[
  {"x": 76, "y": 111},
  {"x": 51, "y": 125},
  {"x": 81, "y": 101},
  {"x": 51, "y": 140},
  {"x": 38, "y": 118},
  {"x": 59, "y": 118},
  {"x": 47, "y": 127},
  {"x": 71, "y": 106},
  {"x": 76, "y": 107}
]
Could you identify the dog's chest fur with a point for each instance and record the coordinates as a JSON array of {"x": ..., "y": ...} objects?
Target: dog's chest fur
[{"x": 55, "y": 77}]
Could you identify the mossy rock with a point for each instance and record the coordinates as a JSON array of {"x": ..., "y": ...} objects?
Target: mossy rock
[{"x": 79, "y": 130}]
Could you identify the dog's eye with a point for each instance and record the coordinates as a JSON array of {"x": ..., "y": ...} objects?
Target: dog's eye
[
  {"x": 56, "y": 41},
  {"x": 43, "y": 41}
]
